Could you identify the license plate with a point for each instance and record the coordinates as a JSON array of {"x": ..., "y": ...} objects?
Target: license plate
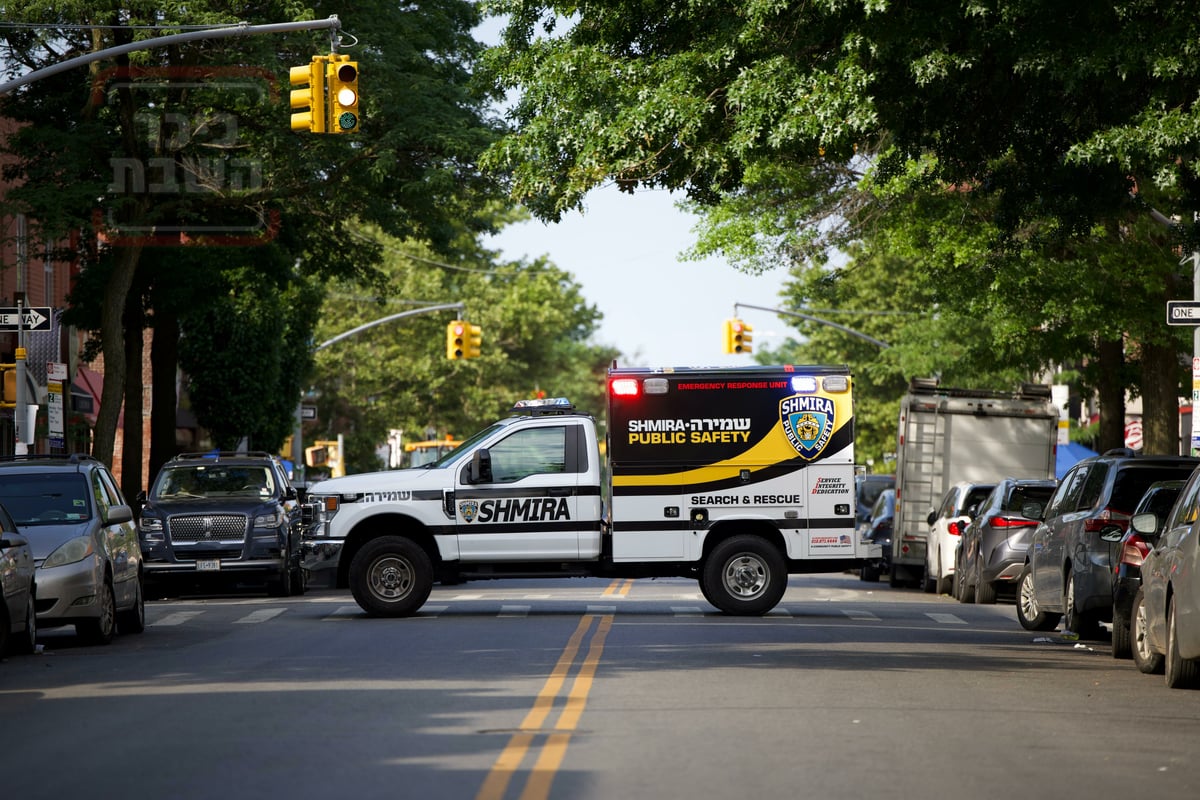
[{"x": 208, "y": 565}]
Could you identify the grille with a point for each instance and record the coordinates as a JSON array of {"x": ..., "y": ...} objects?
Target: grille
[{"x": 207, "y": 528}]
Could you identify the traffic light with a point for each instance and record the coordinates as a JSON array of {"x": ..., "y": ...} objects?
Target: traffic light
[
  {"x": 312, "y": 98},
  {"x": 8, "y": 386},
  {"x": 316, "y": 456},
  {"x": 473, "y": 342},
  {"x": 456, "y": 340},
  {"x": 737, "y": 336},
  {"x": 342, "y": 81}
]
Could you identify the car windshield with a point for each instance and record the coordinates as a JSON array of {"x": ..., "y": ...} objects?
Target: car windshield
[
  {"x": 463, "y": 449},
  {"x": 197, "y": 481},
  {"x": 46, "y": 498}
]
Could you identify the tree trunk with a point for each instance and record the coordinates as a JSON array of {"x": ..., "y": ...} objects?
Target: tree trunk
[
  {"x": 1110, "y": 392},
  {"x": 164, "y": 396},
  {"x": 131, "y": 453},
  {"x": 112, "y": 342},
  {"x": 1160, "y": 370}
]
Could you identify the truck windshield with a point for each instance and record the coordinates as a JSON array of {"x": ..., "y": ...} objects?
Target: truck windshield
[{"x": 463, "y": 449}]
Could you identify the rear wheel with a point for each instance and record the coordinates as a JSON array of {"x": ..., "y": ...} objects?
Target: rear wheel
[
  {"x": 1145, "y": 657},
  {"x": 944, "y": 582},
  {"x": 26, "y": 642},
  {"x": 1180, "y": 672},
  {"x": 1121, "y": 641},
  {"x": 1029, "y": 612},
  {"x": 744, "y": 576},
  {"x": 1083, "y": 623},
  {"x": 391, "y": 577},
  {"x": 869, "y": 573},
  {"x": 985, "y": 592}
]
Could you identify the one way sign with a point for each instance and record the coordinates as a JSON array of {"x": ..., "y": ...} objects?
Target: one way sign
[{"x": 32, "y": 319}]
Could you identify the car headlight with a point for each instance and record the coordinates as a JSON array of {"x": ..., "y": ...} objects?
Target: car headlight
[
  {"x": 272, "y": 520},
  {"x": 72, "y": 552}
]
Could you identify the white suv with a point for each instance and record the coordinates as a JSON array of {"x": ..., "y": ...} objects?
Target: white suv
[{"x": 946, "y": 524}]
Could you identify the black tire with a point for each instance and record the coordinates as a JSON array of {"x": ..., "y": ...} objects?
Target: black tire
[
  {"x": 391, "y": 576},
  {"x": 966, "y": 591},
  {"x": 133, "y": 620},
  {"x": 1029, "y": 613},
  {"x": 26, "y": 643},
  {"x": 928, "y": 583},
  {"x": 101, "y": 629},
  {"x": 1145, "y": 658},
  {"x": 945, "y": 583},
  {"x": 1180, "y": 672},
  {"x": 869, "y": 573},
  {"x": 744, "y": 576},
  {"x": 299, "y": 579},
  {"x": 1121, "y": 643},
  {"x": 1084, "y": 623}
]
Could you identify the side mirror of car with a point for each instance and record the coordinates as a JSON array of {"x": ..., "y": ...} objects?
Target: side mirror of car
[
  {"x": 932, "y": 516},
  {"x": 118, "y": 514},
  {"x": 481, "y": 466},
  {"x": 1145, "y": 523}
]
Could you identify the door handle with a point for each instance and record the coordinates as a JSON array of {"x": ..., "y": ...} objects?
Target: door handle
[{"x": 561, "y": 491}]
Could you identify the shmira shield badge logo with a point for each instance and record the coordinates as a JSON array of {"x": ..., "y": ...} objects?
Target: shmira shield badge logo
[
  {"x": 469, "y": 509},
  {"x": 808, "y": 421}
]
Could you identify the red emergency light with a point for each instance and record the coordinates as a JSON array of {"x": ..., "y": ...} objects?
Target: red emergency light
[{"x": 624, "y": 387}]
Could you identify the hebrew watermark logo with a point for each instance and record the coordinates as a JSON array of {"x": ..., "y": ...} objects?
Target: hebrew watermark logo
[{"x": 201, "y": 176}]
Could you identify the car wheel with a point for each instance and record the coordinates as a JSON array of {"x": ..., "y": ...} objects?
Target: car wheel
[
  {"x": 101, "y": 629},
  {"x": 391, "y": 576},
  {"x": 966, "y": 592},
  {"x": 869, "y": 573},
  {"x": 1029, "y": 612},
  {"x": 299, "y": 578},
  {"x": 944, "y": 582},
  {"x": 928, "y": 582},
  {"x": 1083, "y": 623},
  {"x": 1180, "y": 672},
  {"x": 27, "y": 641},
  {"x": 1144, "y": 656},
  {"x": 1121, "y": 645},
  {"x": 745, "y": 575},
  {"x": 134, "y": 619},
  {"x": 985, "y": 592}
]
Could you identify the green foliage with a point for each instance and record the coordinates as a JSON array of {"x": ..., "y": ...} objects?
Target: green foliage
[{"x": 536, "y": 331}]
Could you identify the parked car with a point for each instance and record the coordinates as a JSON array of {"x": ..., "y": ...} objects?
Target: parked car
[
  {"x": 1131, "y": 552},
  {"x": 18, "y": 616},
  {"x": 946, "y": 524},
  {"x": 879, "y": 531},
  {"x": 867, "y": 489},
  {"x": 84, "y": 542},
  {"x": 1069, "y": 572},
  {"x": 1165, "y": 616},
  {"x": 218, "y": 520},
  {"x": 993, "y": 547}
]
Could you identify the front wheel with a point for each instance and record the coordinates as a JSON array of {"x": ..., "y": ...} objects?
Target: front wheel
[
  {"x": 1083, "y": 623},
  {"x": 1180, "y": 672},
  {"x": 744, "y": 576},
  {"x": 133, "y": 620},
  {"x": 1029, "y": 612},
  {"x": 391, "y": 577},
  {"x": 101, "y": 629}
]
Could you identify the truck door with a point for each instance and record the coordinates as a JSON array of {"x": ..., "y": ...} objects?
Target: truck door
[{"x": 527, "y": 509}]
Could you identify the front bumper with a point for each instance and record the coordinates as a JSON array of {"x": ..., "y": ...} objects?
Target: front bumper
[{"x": 67, "y": 594}]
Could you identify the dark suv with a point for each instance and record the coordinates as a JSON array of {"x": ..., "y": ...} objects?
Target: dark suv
[
  {"x": 1069, "y": 571},
  {"x": 219, "y": 520}
]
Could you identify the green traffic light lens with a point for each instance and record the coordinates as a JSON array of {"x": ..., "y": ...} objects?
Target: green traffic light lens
[{"x": 347, "y": 121}]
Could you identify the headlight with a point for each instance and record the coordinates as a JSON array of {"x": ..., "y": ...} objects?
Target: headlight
[
  {"x": 150, "y": 525},
  {"x": 272, "y": 520},
  {"x": 73, "y": 551}
]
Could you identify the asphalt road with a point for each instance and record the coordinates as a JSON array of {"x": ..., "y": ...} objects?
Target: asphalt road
[{"x": 591, "y": 689}]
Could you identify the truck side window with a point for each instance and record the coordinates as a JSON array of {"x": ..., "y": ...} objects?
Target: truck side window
[{"x": 534, "y": 451}]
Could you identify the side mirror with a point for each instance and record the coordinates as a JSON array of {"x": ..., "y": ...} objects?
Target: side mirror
[
  {"x": 481, "y": 466},
  {"x": 118, "y": 514},
  {"x": 932, "y": 516},
  {"x": 1145, "y": 523},
  {"x": 1032, "y": 511}
]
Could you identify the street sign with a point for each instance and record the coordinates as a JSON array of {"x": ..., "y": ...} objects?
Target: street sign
[
  {"x": 308, "y": 412},
  {"x": 1183, "y": 312},
  {"x": 38, "y": 319}
]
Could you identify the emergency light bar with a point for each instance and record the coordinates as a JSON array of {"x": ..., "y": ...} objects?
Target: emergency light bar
[{"x": 547, "y": 405}]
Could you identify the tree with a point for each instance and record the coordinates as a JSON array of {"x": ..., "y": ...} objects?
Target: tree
[{"x": 224, "y": 157}]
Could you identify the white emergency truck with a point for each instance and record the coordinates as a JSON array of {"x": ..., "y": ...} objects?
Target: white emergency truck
[
  {"x": 951, "y": 435},
  {"x": 735, "y": 477}
]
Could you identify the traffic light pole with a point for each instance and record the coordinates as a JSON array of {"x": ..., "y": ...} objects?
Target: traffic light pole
[
  {"x": 241, "y": 29},
  {"x": 297, "y": 433},
  {"x": 810, "y": 318}
]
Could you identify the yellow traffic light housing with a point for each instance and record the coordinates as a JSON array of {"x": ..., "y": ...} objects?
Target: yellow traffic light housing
[
  {"x": 8, "y": 386},
  {"x": 342, "y": 82},
  {"x": 737, "y": 336},
  {"x": 310, "y": 96},
  {"x": 456, "y": 340},
  {"x": 474, "y": 341}
]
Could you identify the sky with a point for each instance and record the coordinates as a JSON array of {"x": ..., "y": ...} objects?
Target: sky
[
  {"x": 658, "y": 311},
  {"x": 624, "y": 252}
]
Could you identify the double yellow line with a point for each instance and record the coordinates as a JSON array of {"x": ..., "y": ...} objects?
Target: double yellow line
[
  {"x": 619, "y": 588},
  {"x": 555, "y": 740}
]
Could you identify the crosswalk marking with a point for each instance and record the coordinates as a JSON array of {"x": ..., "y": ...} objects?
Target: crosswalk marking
[
  {"x": 262, "y": 615},
  {"x": 687, "y": 611},
  {"x": 865, "y": 616},
  {"x": 175, "y": 618},
  {"x": 514, "y": 611},
  {"x": 946, "y": 619}
]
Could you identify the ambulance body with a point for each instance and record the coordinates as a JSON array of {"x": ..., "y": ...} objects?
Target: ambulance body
[{"x": 735, "y": 477}]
